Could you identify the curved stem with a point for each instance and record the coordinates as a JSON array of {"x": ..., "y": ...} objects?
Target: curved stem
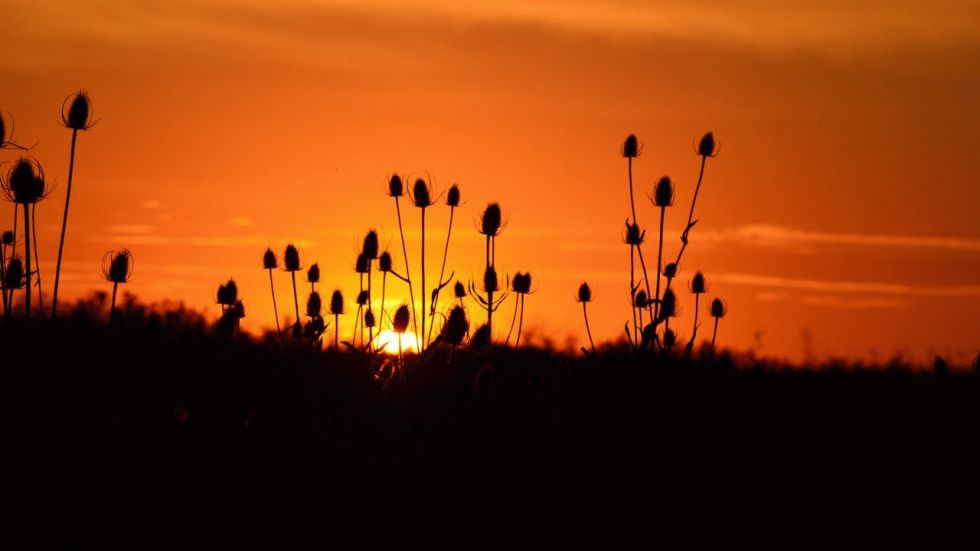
[
  {"x": 64, "y": 225},
  {"x": 690, "y": 216},
  {"x": 408, "y": 274},
  {"x": 585, "y": 313},
  {"x": 442, "y": 272},
  {"x": 513, "y": 322},
  {"x": 646, "y": 282},
  {"x": 384, "y": 281},
  {"x": 275, "y": 307},
  {"x": 27, "y": 258}
]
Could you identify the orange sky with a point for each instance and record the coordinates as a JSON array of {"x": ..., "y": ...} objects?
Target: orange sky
[{"x": 840, "y": 218}]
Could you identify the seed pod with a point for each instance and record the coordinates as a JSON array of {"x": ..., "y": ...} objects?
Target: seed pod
[
  {"x": 314, "y": 305},
  {"x": 228, "y": 293},
  {"x": 718, "y": 308},
  {"x": 490, "y": 220},
  {"x": 400, "y": 322},
  {"x": 584, "y": 293},
  {"x": 8, "y": 237},
  {"x": 369, "y": 320},
  {"x": 362, "y": 298},
  {"x": 490, "y": 283},
  {"x": 14, "y": 278},
  {"x": 361, "y": 264},
  {"x": 668, "y": 305},
  {"x": 337, "y": 303},
  {"x": 521, "y": 283},
  {"x": 291, "y": 258},
  {"x": 421, "y": 196},
  {"x": 117, "y": 266},
  {"x": 395, "y": 186},
  {"x": 79, "y": 113},
  {"x": 631, "y": 148},
  {"x": 313, "y": 274},
  {"x": 698, "y": 283},
  {"x": 25, "y": 182},
  {"x": 269, "y": 260},
  {"x": 452, "y": 198},
  {"x": 456, "y": 326},
  {"x": 706, "y": 148},
  {"x": 641, "y": 299},
  {"x": 670, "y": 270},
  {"x": 633, "y": 234},
  {"x": 370, "y": 248},
  {"x": 663, "y": 194},
  {"x": 459, "y": 290}
]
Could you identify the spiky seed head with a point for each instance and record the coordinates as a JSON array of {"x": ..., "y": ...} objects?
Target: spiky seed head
[
  {"x": 421, "y": 196},
  {"x": 459, "y": 290},
  {"x": 362, "y": 298},
  {"x": 291, "y": 258},
  {"x": 314, "y": 305},
  {"x": 490, "y": 220},
  {"x": 313, "y": 274},
  {"x": 228, "y": 293},
  {"x": 337, "y": 303},
  {"x": 8, "y": 237},
  {"x": 698, "y": 283},
  {"x": 706, "y": 147},
  {"x": 384, "y": 262},
  {"x": 269, "y": 260},
  {"x": 369, "y": 320},
  {"x": 238, "y": 310},
  {"x": 400, "y": 322},
  {"x": 670, "y": 339},
  {"x": 117, "y": 266},
  {"x": 633, "y": 234},
  {"x": 480, "y": 339},
  {"x": 670, "y": 270},
  {"x": 395, "y": 186},
  {"x": 14, "y": 278},
  {"x": 584, "y": 293},
  {"x": 452, "y": 197},
  {"x": 631, "y": 148},
  {"x": 668, "y": 304},
  {"x": 490, "y": 282},
  {"x": 370, "y": 248},
  {"x": 718, "y": 308},
  {"x": 79, "y": 113},
  {"x": 361, "y": 264},
  {"x": 25, "y": 182},
  {"x": 521, "y": 283},
  {"x": 456, "y": 326},
  {"x": 641, "y": 299},
  {"x": 663, "y": 194}
]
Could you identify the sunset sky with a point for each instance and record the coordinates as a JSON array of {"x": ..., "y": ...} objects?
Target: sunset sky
[{"x": 840, "y": 218}]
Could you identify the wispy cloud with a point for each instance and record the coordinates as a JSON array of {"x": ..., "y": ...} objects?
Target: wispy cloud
[
  {"x": 771, "y": 282},
  {"x": 782, "y": 236},
  {"x": 198, "y": 241}
]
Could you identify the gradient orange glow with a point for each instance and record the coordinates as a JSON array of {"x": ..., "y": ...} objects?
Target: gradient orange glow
[{"x": 839, "y": 219}]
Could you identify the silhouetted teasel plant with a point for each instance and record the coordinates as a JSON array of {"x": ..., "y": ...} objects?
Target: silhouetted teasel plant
[
  {"x": 270, "y": 263},
  {"x": 456, "y": 327},
  {"x": 385, "y": 267},
  {"x": 13, "y": 280},
  {"x": 396, "y": 189},
  {"x": 230, "y": 321},
  {"x": 292, "y": 265},
  {"x": 521, "y": 286},
  {"x": 668, "y": 309},
  {"x": 76, "y": 115},
  {"x": 459, "y": 291},
  {"x": 422, "y": 199},
  {"x": 706, "y": 148},
  {"x": 399, "y": 325},
  {"x": 361, "y": 267},
  {"x": 227, "y": 295},
  {"x": 452, "y": 201},
  {"x": 6, "y": 240},
  {"x": 718, "y": 311},
  {"x": 313, "y": 330},
  {"x": 491, "y": 285},
  {"x": 358, "y": 339},
  {"x": 370, "y": 251},
  {"x": 117, "y": 267},
  {"x": 585, "y": 297},
  {"x": 313, "y": 276},
  {"x": 491, "y": 224},
  {"x": 24, "y": 186},
  {"x": 698, "y": 286},
  {"x": 663, "y": 197},
  {"x": 634, "y": 237},
  {"x": 336, "y": 310}
]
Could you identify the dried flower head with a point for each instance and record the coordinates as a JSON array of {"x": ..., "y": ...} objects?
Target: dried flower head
[
  {"x": 452, "y": 198},
  {"x": 395, "y": 186},
  {"x": 228, "y": 293},
  {"x": 670, "y": 339},
  {"x": 8, "y": 237},
  {"x": 400, "y": 322},
  {"x": 361, "y": 264},
  {"x": 670, "y": 270},
  {"x": 238, "y": 310},
  {"x": 314, "y": 305},
  {"x": 631, "y": 148},
  {"x": 668, "y": 304},
  {"x": 384, "y": 262},
  {"x": 718, "y": 308},
  {"x": 521, "y": 283},
  {"x": 456, "y": 326},
  {"x": 362, "y": 298},
  {"x": 490, "y": 282},
  {"x": 491, "y": 220},
  {"x": 117, "y": 266},
  {"x": 421, "y": 194},
  {"x": 584, "y": 293},
  {"x": 459, "y": 290},
  {"x": 369, "y": 320},
  {"x": 633, "y": 234},
  {"x": 370, "y": 248},
  {"x": 291, "y": 258},
  {"x": 480, "y": 339},
  {"x": 25, "y": 183},
  {"x": 269, "y": 260},
  {"x": 698, "y": 283},
  {"x": 313, "y": 274},
  {"x": 641, "y": 299},
  {"x": 14, "y": 277},
  {"x": 706, "y": 147},
  {"x": 337, "y": 303},
  {"x": 663, "y": 193},
  {"x": 76, "y": 112}
]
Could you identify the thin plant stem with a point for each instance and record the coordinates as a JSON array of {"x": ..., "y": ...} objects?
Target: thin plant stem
[
  {"x": 64, "y": 225},
  {"x": 336, "y": 332},
  {"x": 520, "y": 324},
  {"x": 489, "y": 294},
  {"x": 646, "y": 282},
  {"x": 275, "y": 307},
  {"x": 633, "y": 289},
  {"x": 423, "y": 277},
  {"x": 370, "y": 329},
  {"x": 384, "y": 281},
  {"x": 629, "y": 166},
  {"x": 714, "y": 334},
  {"x": 442, "y": 272},
  {"x": 296, "y": 328},
  {"x": 112, "y": 309},
  {"x": 513, "y": 322},
  {"x": 408, "y": 274},
  {"x": 27, "y": 258},
  {"x": 37, "y": 263},
  {"x": 585, "y": 313},
  {"x": 694, "y": 332},
  {"x": 660, "y": 261},
  {"x": 690, "y": 216}
]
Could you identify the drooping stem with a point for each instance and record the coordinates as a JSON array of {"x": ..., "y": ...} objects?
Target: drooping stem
[
  {"x": 520, "y": 324},
  {"x": 408, "y": 274},
  {"x": 37, "y": 262},
  {"x": 112, "y": 309},
  {"x": 296, "y": 328},
  {"x": 423, "y": 279},
  {"x": 442, "y": 273},
  {"x": 585, "y": 313},
  {"x": 660, "y": 262},
  {"x": 64, "y": 225},
  {"x": 27, "y": 258},
  {"x": 275, "y": 307}
]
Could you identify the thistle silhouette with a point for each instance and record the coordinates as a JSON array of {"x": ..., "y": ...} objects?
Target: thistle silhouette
[
  {"x": 117, "y": 267},
  {"x": 663, "y": 197},
  {"x": 400, "y": 324},
  {"x": 396, "y": 189},
  {"x": 6, "y": 241},
  {"x": 452, "y": 201},
  {"x": 78, "y": 117},
  {"x": 490, "y": 224},
  {"x": 585, "y": 297},
  {"x": 291, "y": 260},
  {"x": 699, "y": 285},
  {"x": 270, "y": 262},
  {"x": 706, "y": 148},
  {"x": 369, "y": 250},
  {"x": 13, "y": 280},
  {"x": 521, "y": 286},
  {"x": 422, "y": 199},
  {"x": 336, "y": 309},
  {"x": 718, "y": 311},
  {"x": 456, "y": 327},
  {"x": 313, "y": 276},
  {"x": 315, "y": 327},
  {"x": 25, "y": 185}
]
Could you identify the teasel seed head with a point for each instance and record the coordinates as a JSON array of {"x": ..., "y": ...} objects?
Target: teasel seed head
[
  {"x": 631, "y": 148},
  {"x": 395, "y": 186},
  {"x": 663, "y": 193},
  {"x": 706, "y": 147},
  {"x": 337, "y": 303},
  {"x": 369, "y": 320},
  {"x": 8, "y": 237},
  {"x": 269, "y": 260},
  {"x": 14, "y": 277},
  {"x": 491, "y": 220},
  {"x": 521, "y": 283},
  {"x": 668, "y": 304},
  {"x": 117, "y": 266},
  {"x": 421, "y": 194},
  {"x": 490, "y": 282},
  {"x": 370, "y": 247},
  {"x": 361, "y": 264},
  {"x": 633, "y": 234},
  {"x": 459, "y": 290},
  {"x": 313, "y": 274},
  {"x": 228, "y": 293},
  {"x": 291, "y": 258},
  {"x": 314, "y": 305},
  {"x": 452, "y": 198},
  {"x": 384, "y": 262},
  {"x": 78, "y": 115},
  {"x": 456, "y": 326},
  {"x": 480, "y": 339},
  {"x": 238, "y": 310},
  {"x": 400, "y": 322},
  {"x": 362, "y": 298},
  {"x": 641, "y": 299},
  {"x": 718, "y": 308},
  {"x": 698, "y": 283},
  {"x": 670, "y": 339},
  {"x": 670, "y": 269},
  {"x": 25, "y": 183},
  {"x": 584, "y": 293}
]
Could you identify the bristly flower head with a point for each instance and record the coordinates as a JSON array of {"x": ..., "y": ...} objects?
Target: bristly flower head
[
  {"x": 490, "y": 283},
  {"x": 238, "y": 310},
  {"x": 25, "y": 182},
  {"x": 369, "y": 320},
  {"x": 706, "y": 147},
  {"x": 633, "y": 234},
  {"x": 337, "y": 303},
  {"x": 400, "y": 322},
  {"x": 670, "y": 338},
  {"x": 491, "y": 220},
  {"x": 421, "y": 194},
  {"x": 117, "y": 266},
  {"x": 314, "y": 305},
  {"x": 78, "y": 115},
  {"x": 8, "y": 237},
  {"x": 313, "y": 274},
  {"x": 361, "y": 264},
  {"x": 663, "y": 193},
  {"x": 631, "y": 148},
  {"x": 452, "y": 198},
  {"x": 370, "y": 247},
  {"x": 269, "y": 260},
  {"x": 521, "y": 283},
  {"x": 14, "y": 278},
  {"x": 395, "y": 186},
  {"x": 641, "y": 299},
  {"x": 718, "y": 308},
  {"x": 480, "y": 340},
  {"x": 228, "y": 293},
  {"x": 668, "y": 304},
  {"x": 384, "y": 262},
  {"x": 584, "y": 293},
  {"x": 670, "y": 270},
  {"x": 291, "y": 258},
  {"x": 362, "y": 298},
  {"x": 698, "y": 283},
  {"x": 459, "y": 290},
  {"x": 456, "y": 326}
]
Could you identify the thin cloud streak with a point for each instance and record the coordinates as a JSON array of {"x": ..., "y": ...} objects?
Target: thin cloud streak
[{"x": 754, "y": 280}]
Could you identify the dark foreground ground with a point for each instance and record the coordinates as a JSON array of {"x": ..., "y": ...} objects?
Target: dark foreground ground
[{"x": 157, "y": 404}]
